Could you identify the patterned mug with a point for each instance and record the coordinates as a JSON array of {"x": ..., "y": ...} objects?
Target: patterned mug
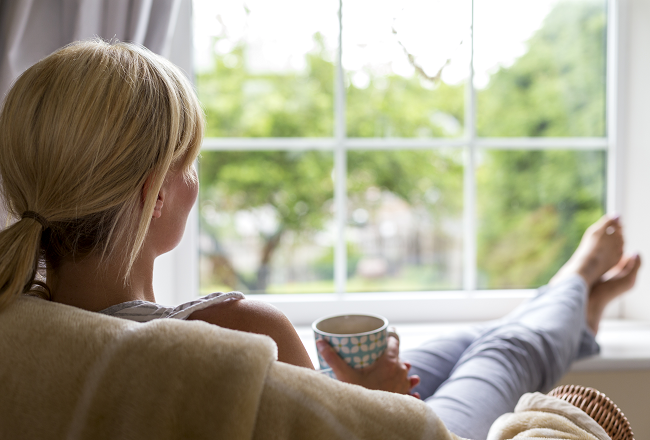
[{"x": 358, "y": 339}]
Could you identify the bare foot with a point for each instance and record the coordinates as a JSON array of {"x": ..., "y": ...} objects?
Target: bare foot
[
  {"x": 618, "y": 281},
  {"x": 600, "y": 249}
]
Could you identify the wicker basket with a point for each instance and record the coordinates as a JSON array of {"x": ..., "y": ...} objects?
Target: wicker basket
[{"x": 599, "y": 407}]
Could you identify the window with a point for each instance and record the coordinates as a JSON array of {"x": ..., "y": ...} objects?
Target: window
[{"x": 439, "y": 149}]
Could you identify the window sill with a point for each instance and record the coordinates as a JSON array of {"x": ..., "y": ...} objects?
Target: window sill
[
  {"x": 402, "y": 307},
  {"x": 625, "y": 344}
]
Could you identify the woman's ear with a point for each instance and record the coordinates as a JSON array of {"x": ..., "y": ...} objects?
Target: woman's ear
[{"x": 157, "y": 210}]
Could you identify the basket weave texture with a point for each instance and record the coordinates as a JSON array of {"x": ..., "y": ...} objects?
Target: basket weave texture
[{"x": 599, "y": 407}]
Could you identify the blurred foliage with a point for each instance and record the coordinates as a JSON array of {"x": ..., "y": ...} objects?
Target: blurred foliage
[
  {"x": 324, "y": 265},
  {"x": 533, "y": 205},
  {"x": 239, "y": 103},
  {"x": 533, "y": 208},
  {"x": 411, "y": 175},
  {"x": 557, "y": 88},
  {"x": 296, "y": 186},
  {"x": 394, "y": 106}
]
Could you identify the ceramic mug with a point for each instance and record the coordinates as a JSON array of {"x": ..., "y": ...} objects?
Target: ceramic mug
[{"x": 358, "y": 339}]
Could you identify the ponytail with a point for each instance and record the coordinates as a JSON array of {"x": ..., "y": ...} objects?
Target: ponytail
[{"x": 20, "y": 251}]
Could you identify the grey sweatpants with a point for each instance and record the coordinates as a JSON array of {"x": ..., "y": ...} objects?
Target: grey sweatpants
[{"x": 472, "y": 377}]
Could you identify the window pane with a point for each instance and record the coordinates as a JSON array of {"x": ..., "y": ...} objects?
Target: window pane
[
  {"x": 406, "y": 63},
  {"x": 405, "y": 220},
  {"x": 266, "y": 68},
  {"x": 533, "y": 208},
  {"x": 540, "y": 67},
  {"x": 266, "y": 223}
]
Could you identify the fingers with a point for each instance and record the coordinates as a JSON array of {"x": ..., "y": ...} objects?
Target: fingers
[
  {"x": 388, "y": 373},
  {"x": 413, "y": 382},
  {"x": 341, "y": 369}
]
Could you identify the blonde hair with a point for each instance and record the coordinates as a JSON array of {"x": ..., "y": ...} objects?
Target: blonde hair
[{"x": 81, "y": 133}]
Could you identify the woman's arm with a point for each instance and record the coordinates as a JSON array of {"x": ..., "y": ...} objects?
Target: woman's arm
[
  {"x": 389, "y": 373},
  {"x": 261, "y": 318}
]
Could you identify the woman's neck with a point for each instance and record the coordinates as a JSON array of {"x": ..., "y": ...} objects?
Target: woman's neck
[{"x": 92, "y": 284}]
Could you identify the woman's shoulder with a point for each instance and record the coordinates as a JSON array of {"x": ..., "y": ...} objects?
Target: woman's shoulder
[
  {"x": 244, "y": 314},
  {"x": 261, "y": 318}
]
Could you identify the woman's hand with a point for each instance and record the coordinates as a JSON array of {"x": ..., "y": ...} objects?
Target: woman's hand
[{"x": 387, "y": 373}]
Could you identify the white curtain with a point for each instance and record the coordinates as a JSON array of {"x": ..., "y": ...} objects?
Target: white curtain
[{"x": 32, "y": 29}]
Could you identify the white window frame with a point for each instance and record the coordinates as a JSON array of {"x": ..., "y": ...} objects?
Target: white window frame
[{"x": 177, "y": 274}]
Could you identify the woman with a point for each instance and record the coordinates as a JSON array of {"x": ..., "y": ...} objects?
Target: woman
[{"x": 97, "y": 144}]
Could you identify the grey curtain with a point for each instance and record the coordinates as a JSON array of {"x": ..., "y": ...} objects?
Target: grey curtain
[{"x": 32, "y": 29}]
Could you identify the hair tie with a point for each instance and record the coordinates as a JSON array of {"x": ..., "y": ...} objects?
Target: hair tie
[{"x": 36, "y": 216}]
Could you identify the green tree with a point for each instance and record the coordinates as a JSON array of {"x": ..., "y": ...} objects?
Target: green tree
[
  {"x": 294, "y": 185},
  {"x": 297, "y": 187},
  {"x": 533, "y": 205},
  {"x": 394, "y": 106},
  {"x": 533, "y": 208},
  {"x": 557, "y": 88},
  {"x": 240, "y": 103}
]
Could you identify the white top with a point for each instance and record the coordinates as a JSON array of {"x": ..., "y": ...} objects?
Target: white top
[{"x": 143, "y": 311}]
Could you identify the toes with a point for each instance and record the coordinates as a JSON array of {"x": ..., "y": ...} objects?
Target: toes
[
  {"x": 633, "y": 262},
  {"x": 607, "y": 225},
  {"x": 625, "y": 267},
  {"x": 623, "y": 280},
  {"x": 610, "y": 220},
  {"x": 637, "y": 264},
  {"x": 608, "y": 231}
]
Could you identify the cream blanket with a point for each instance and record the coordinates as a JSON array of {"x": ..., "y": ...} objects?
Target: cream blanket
[
  {"x": 70, "y": 374},
  {"x": 540, "y": 416}
]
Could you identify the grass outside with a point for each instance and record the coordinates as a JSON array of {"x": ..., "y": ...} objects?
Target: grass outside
[{"x": 409, "y": 281}]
